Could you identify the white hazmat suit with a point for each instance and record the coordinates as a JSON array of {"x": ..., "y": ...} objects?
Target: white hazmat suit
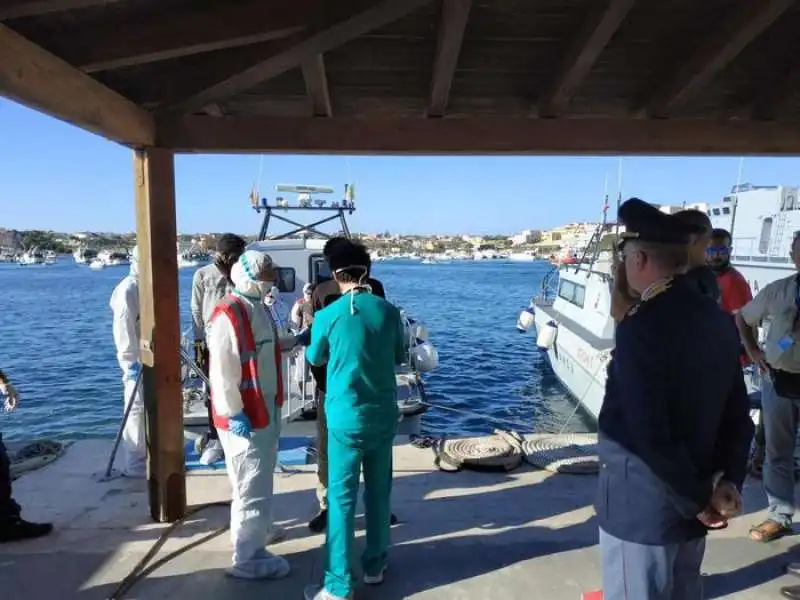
[
  {"x": 125, "y": 307},
  {"x": 250, "y": 455}
]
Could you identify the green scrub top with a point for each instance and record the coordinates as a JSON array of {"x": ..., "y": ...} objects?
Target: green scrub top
[{"x": 362, "y": 350}]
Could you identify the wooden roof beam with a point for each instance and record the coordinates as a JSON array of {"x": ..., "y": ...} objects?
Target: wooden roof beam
[
  {"x": 587, "y": 46},
  {"x": 34, "y": 77},
  {"x": 774, "y": 99},
  {"x": 380, "y": 14},
  {"x": 455, "y": 14},
  {"x": 317, "y": 85},
  {"x": 477, "y": 136},
  {"x": 749, "y": 21},
  {"x": 16, "y": 9},
  {"x": 206, "y": 29}
]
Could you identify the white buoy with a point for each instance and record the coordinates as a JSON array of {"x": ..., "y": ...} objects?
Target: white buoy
[
  {"x": 547, "y": 335},
  {"x": 526, "y": 320},
  {"x": 424, "y": 357}
]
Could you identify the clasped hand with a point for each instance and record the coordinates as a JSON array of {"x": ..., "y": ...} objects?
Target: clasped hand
[{"x": 725, "y": 504}]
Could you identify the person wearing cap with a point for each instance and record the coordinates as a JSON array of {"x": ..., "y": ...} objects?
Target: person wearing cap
[
  {"x": 324, "y": 294},
  {"x": 244, "y": 368},
  {"x": 779, "y": 361},
  {"x": 124, "y": 305},
  {"x": 210, "y": 284},
  {"x": 674, "y": 427},
  {"x": 699, "y": 272},
  {"x": 361, "y": 337}
]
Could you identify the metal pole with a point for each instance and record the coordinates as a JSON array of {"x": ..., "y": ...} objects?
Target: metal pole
[{"x": 118, "y": 439}]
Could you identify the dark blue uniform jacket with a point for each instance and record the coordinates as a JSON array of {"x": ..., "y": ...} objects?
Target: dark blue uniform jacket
[{"x": 675, "y": 412}]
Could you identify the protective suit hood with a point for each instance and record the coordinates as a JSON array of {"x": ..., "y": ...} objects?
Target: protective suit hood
[
  {"x": 247, "y": 274},
  {"x": 135, "y": 261}
]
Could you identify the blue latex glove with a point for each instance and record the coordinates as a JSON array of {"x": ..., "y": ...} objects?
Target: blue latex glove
[
  {"x": 133, "y": 371},
  {"x": 303, "y": 338},
  {"x": 240, "y": 425}
]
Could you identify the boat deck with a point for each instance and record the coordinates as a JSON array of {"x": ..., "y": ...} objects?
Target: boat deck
[{"x": 526, "y": 534}]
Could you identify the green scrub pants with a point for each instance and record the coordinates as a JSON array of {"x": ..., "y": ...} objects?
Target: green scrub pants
[{"x": 347, "y": 451}]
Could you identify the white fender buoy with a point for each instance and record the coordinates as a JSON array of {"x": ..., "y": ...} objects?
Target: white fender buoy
[
  {"x": 419, "y": 332},
  {"x": 525, "y": 320},
  {"x": 424, "y": 357},
  {"x": 547, "y": 335}
]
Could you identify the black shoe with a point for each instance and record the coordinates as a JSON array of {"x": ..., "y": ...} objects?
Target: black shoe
[
  {"x": 393, "y": 519},
  {"x": 20, "y": 529},
  {"x": 320, "y": 522},
  {"x": 793, "y": 569},
  {"x": 792, "y": 592}
]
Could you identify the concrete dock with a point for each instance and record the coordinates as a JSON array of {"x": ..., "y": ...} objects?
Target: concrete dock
[{"x": 528, "y": 534}]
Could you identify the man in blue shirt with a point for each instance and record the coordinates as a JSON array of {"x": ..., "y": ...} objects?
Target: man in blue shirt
[{"x": 360, "y": 336}]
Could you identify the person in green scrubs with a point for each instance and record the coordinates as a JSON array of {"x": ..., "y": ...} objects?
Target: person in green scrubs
[{"x": 361, "y": 337}]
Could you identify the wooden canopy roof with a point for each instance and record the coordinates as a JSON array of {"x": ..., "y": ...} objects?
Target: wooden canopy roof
[{"x": 414, "y": 76}]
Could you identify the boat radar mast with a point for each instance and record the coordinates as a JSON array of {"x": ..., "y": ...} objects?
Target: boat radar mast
[{"x": 304, "y": 201}]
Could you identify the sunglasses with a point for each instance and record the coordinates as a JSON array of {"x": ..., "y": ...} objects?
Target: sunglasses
[{"x": 718, "y": 250}]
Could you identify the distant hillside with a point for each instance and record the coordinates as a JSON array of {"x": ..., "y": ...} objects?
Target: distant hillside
[{"x": 11, "y": 238}]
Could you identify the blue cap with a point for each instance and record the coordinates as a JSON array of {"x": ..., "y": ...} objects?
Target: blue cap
[{"x": 646, "y": 223}]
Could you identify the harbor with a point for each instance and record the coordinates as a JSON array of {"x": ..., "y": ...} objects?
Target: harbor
[{"x": 524, "y": 534}]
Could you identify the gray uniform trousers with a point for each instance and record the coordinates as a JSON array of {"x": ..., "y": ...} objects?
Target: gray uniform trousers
[{"x": 641, "y": 572}]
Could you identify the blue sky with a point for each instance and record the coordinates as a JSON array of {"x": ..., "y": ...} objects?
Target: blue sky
[{"x": 56, "y": 176}]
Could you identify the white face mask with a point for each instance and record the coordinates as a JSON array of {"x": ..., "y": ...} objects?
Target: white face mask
[{"x": 268, "y": 291}]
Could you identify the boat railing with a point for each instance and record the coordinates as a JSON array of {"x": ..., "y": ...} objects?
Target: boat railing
[{"x": 548, "y": 290}]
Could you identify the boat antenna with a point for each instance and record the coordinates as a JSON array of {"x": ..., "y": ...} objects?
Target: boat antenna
[
  {"x": 619, "y": 203},
  {"x": 736, "y": 196}
]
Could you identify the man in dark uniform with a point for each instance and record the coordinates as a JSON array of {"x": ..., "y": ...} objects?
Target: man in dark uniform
[
  {"x": 12, "y": 526},
  {"x": 699, "y": 273},
  {"x": 674, "y": 428}
]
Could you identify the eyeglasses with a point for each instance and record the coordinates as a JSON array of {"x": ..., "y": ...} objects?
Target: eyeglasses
[{"x": 718, "y": 251}]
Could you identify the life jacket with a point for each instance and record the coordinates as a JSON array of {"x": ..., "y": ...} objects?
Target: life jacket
[{"x": 253, "y": 402}]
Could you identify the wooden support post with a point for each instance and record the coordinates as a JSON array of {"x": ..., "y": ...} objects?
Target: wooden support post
[{"x": 160, "y": 331}]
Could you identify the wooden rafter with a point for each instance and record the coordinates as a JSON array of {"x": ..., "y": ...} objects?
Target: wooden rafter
[
  {"x": 477, "y": 135},
  {"x": 317, "y": 85},
  {"x": 15, "y": 9},
  {"x": 592, "y": 39},
  {"x": 206, "y": 29},
  {"x": 773, "y": 100},
  {"x": 34, "y": 77},
  {"x": 378, "y": 15},
  {"x": 455, "y": 15},
  {"x": 737, "y": 31}
]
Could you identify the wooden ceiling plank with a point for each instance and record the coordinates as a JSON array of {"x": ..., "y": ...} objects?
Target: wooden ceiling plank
[
  {"x": 205, "y": 29},
  {"x": 317, "y": 85},
  {"x": 584, "y": 51},
  {"x": 34, "y": 77},
  {"x": 477, "y": 136},
  {"x": 16, "y": 9},
  {"x": 774, "y": 99},
  {"x": 749, "y": 21},
  {"x": 378, "y": 15},
  {"x": 455, "y": 15}
]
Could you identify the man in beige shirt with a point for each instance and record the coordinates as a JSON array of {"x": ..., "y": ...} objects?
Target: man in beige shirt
[{"x": 779, "y": 361}]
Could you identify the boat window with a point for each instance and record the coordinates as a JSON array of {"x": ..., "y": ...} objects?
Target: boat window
[
  {"x": 766, "y": 234},
  {"x": 286, "y": 279},
  {"x": 320, "y": 271},
  {"x": 726, "y": 210},
  {"x": 716, "y": 211},
  {"x": 572, "y": 292}
]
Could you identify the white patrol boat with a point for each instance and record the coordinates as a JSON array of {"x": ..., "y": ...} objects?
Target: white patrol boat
[{"x": 300, "y": 260}]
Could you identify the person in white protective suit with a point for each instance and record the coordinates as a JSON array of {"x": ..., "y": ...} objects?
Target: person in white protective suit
[
  {"x": 125, "y": 307},
  {"x": 246, "y": 398}
]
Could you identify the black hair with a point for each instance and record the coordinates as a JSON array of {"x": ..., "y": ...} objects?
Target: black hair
[
  {"x": 332, "y": 244},
  {"x": 350, "y": 254},
  {"x": 696, "y": 219},
  {"x": 721, "y": 234},
  {"x": 229, "y": 248}
]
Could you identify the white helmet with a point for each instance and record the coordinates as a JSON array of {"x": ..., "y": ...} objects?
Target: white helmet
[{"x": 424, "y": 357}]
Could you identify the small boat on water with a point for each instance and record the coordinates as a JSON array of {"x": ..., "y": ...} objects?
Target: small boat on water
[
  {"x": 114, "y": 258},
  {"x": 84, "y": 256},
  {"x": 33, "y": 256},
  {"x": 50, "y": 257}
]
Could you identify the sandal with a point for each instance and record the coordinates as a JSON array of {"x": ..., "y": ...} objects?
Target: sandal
[{"x": 768, "y": 531}]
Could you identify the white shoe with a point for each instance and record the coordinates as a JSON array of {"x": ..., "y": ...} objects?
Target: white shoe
[
  {"x": 263, "y": 566},
  {"x": 276, "y": 535},
  {"x": 212, "y": 453},
  {"x": 317, "y": 592},
  {"x": 375, "y": 579}
]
